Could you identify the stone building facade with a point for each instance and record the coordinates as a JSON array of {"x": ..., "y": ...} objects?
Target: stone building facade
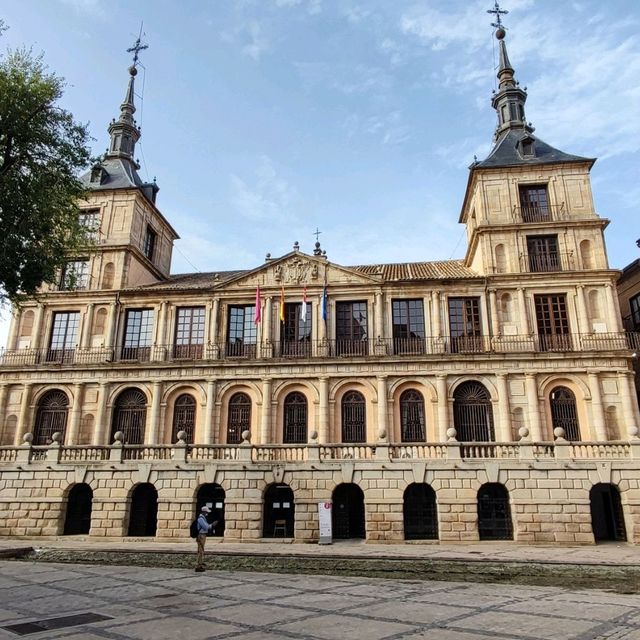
[{"x": 485, "y": 398}]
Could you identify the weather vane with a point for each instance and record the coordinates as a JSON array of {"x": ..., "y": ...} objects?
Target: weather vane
[
  {"x": 498, "y": 12},
  {"x": 137, "y": 47},
  {"x": 317, "y": 233}
]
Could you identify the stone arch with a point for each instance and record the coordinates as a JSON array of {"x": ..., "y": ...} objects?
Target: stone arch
[
  {"x": 99, "y": 328},
  {"x": 295, "y": 418},
  {"x": 586, "y": 254},
  {"x": 594, "y": 299},
  {"x": 428, "y": 391},
  {"x": 51, "y": 416},
  {"x": 283, "y": 391},
  {"x": 169, "y": 399},
  {"x": 501, "y": 259},
  {"x": 108, "y": 275},
  {"x": 473, "y": 412},
  {"x": 582, "y": 395},
  {"x": 254, "y": 393},
  {"x": 337, "y": 394},
  {"x": 240, "y": 411},
  {"x": 564, "y": 412},
  {"x": 130, "y": 415}
]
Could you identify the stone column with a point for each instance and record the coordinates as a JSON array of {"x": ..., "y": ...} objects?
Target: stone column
[
  {"x": 583, "y": 316},
  {"x": 266, "y": 319},
  {"x": 207, "y": 322},
  {"x": 378, "y": 332},
  {"x": 437, "y": 327},
  {"x": 504, "y": 412},
  {"x": 24, "y": 424},
  {"x": 37, "y": 339},
  {"x": 322, "y": 325},
  {"x": 535, "y": 428},
  {"x": 162, "y": 323},
  {"x": 152, "y": 431},
  {"x": 443, "y": 407},
  {"x": 599, "y": 426},
  {"x": 213, "y": 333},
  {"x": 524, "y": 318},
  {"x": 101, "y": 429},
  {"x": 493, "y": 309},
  {"x": 111, "y": 325},
  {"x": 208, "y": 437},
  {"x": 265, "y": 425},
  {"x": 614, "y": 322},
  {"x": 4, "y": 392},
  {"x": 71, "y": 437},
  {"x": 628, "y": 413},
  {"x": 383, "y": 418},
  {"x": 323, "y": 423},
  {"x": 85, "y": 343},
  {"x": 14, "y": 330}
]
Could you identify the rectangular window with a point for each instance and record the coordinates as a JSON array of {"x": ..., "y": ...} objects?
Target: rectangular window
[
  {"x": 634, "y": 305},
  {"x": 351, "y": 328},
  {"x": 408, "y": 326},
  {"x": 543, "y": 253},
  {"x": 241, "y": 332},
  {"x": 64, "y": 336},
  {"x": 189, "y": 332},
  {"x": 534, "y": 203},
  {"x": 89, "y": 220},
  {"x": 75, "y": 275},
  {"x": 553, "y": 323},
  {"x": 296, "y": 330},
  {"x": 138, "y": 334},
  {"x": 465, "y": 326},
  {"x": 149, "y": 243}
]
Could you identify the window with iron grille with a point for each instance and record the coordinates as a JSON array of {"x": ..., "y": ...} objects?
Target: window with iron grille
[
  {"x": 351, "y": 328},
  {"x": 634, "y": 306},
  {"x": 472, "y": 413},
  {"x": 150, "y": 238},
  {"x": 564, "y": 413},
  {"x": 64, "y": 336},
  {"x": 189, "y": 332},
  {"x": 534, "y": 202},
  {"x": 408, "y": 326},
  {"x": 51, "y": 417},
  {"x": 130, "y": 416},
  {"x": 89, "y": 220},
  {"x": 241, "y": 331},
  {"x": 412, "y": 420},
  {"x": 239, "y": 419},
  {"x": 553, "y": 323},
  {"x": 75, "y": 275},
  {"x": 138, "y": 334},
  {"x": 543, "y": 253},
  {"x": 464, "y": 325},
  {"x": 296, "y": 330},
  {"x": 184, "y": 417},
  {"x": 354, "y": 423},
  {"x": 295, "y": 419}
]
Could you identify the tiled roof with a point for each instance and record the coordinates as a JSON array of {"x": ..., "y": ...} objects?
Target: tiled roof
[
  {"x": 440, "y": 270},
  {"x": 195, "y": 281}
]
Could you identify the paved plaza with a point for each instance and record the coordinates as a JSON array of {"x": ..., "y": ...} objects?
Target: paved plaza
[{"x": 121, "y": 603}]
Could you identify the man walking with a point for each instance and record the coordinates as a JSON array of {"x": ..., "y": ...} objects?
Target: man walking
[{"x": 203, "y": 530}]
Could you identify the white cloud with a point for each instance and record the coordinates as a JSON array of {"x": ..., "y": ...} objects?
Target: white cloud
[
  {"x": 251, "y": 38},
  {"x": 94, "y": 8},
  {"x": 313, "y": 6}
]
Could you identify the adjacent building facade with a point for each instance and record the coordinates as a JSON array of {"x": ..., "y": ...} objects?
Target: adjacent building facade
[{"x": 485, "y": 398}]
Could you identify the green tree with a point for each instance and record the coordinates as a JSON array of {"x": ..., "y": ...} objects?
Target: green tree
[{"x": 42, "y": 150}]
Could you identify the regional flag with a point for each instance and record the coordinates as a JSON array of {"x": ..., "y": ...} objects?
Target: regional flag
[
  {"x": 324, "y": 303},
  {"x": 282, "y": 303},
  {"x": 303, "y": 313},
  {"x": 258, "y": 312}
]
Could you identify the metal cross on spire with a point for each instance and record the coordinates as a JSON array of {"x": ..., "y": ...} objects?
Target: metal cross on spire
[
  {"x": 317, "y": 233},
  {"x": 498, "y": 12},
  {"x": 137, "y": 47}
]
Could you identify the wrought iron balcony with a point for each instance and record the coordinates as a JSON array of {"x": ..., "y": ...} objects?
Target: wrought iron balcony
[
  {"x": 547, "y": 261},
  {"x": 539, "y": 213}
]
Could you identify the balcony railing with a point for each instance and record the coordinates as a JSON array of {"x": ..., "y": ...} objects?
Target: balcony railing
[
  {"x": 429, "y": 347},
  {"x": 539, "y": 213},
  {"x": 547, "y": 261}
]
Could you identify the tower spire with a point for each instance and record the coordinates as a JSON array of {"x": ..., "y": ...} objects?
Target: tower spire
[
  {"x": 124, "y": 131},
  {"x": 509, "y": 100}
]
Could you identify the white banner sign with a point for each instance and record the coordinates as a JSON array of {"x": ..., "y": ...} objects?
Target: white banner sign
[{"x": 324, "y": 516}]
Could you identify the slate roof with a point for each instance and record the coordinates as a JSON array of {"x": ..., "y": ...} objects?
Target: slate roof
[
  {"x": 506, "y": 153},
  {"x": 120, "y": 175}
]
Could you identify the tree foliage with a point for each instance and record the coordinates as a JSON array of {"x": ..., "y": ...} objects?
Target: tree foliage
[{"x": 42, "y": 150}]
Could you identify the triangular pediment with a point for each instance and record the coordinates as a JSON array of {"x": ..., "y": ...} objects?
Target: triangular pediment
[{"x": 297, "y": 269}]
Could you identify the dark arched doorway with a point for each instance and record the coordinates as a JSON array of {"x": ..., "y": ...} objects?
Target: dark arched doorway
[
  {"x": 78, "y": 518},
  {"x": 607, "y": 519},
  {"x": 239, "y": 419},
  {"x": 412, "y": 416},
  {"x": 420, "y": 512},
  {"x": 143, "y": 512},
  {"x": 279, "y": 512},
  {"x": 295, "y": 419},
  {"x": 564, "y": 413},
  {"x": 347, "y": 513},
  {"x": 184, "y": 417},
  {"x": 472, "y": 413},
  {"x": 354, "y": 422},
  {"x": 212, "y": 495},
  {"x": 51, "y": 417},
  {"x": 130, "y": 416},
  {"x": 494, "y": 513}
]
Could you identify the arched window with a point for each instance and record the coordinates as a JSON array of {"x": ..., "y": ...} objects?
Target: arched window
[
  {"x": 472, "y": 413},
  {"x": 239, "y": 419},
  {"x": 586, "y": 254},
  {"x": 564, "y": 413},
  {"x": 130, "y": 416},
  {"x": 108, "y": 275},
  {"x": 595, "y": 308},
  {"x": 501, "y": 259},
  {"x": 295, "y": 419},
  {"x": 184, "y": 417},
  {"x": 354, "y": 424},
  {"x": 412, "y": 416},
  {"x": 51, "y": 416},
  {"x": 100, "y": 322}
]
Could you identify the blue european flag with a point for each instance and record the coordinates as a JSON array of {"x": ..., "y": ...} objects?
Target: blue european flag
[{"x": 324, "y": 303}]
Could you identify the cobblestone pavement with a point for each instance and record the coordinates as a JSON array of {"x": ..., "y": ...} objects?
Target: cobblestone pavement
[{"x": 176, "y": 604}]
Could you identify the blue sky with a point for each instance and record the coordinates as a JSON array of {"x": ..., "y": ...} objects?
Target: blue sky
[{"x": 264, "y": 119}]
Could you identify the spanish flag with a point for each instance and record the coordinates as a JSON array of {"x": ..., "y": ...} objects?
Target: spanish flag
[{"x": 282, "y": 303}]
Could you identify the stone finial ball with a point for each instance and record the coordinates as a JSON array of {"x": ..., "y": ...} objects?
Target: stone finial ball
[
  {"x": 118, "y": 436},
  {"x": 133, "y": 71},
  {"x": 451, "y": 433},
  {"x": 633, "y": 432},
  {"x": 382, "y": 434},
  {"x": 500, "y": 33},
  {"x": 559, "y": 432},
  {"x": 523, "y": 432},
  {"x": 246, "y": 434},
  {"x": 27, "y": 438},
  {"x": 182, "y": 436},
  {"x": 313, "y": 435},
  {"x": 56, "y": 437}
]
